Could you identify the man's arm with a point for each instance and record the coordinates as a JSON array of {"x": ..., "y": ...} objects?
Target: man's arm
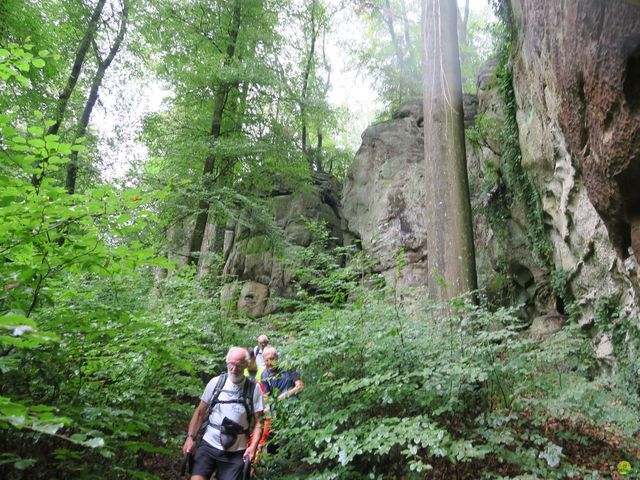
[
  {"x": 194, "y": 425},
  {"x": 297, "y": 388},
  {"x": 250, "y": 452}
]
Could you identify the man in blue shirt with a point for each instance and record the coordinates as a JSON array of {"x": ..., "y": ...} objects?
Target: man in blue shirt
[{"x": 277, "y": 382}]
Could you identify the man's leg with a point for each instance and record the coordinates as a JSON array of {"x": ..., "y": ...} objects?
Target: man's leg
[
  {"x": 204, "y": 462},
  {"x": 230, "y": 465}
]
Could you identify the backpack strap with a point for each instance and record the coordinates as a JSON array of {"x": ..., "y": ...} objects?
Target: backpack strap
[
  {"x": 247, "y": 398},
  {"x": 222, "y": 379}
]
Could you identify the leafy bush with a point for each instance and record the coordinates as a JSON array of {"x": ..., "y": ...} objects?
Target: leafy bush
[{"x": 393, "y": 391}]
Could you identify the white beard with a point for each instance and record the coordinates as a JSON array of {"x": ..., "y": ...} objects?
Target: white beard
[{"x": 236, "y": 378}]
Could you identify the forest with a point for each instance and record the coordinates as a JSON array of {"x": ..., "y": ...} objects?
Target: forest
[{"x": 430, "y": 207}]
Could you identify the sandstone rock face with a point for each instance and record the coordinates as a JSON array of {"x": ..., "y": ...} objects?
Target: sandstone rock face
[
  {"x": 504, "y": 259},
  {"x": 384, "y": 196},
  {"x": 577, "y": 83},
  {"x": 546, "y": 325},
  {"x": 255, "y": 270}
]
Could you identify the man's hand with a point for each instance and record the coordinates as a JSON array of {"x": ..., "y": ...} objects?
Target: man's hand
[
  {"x": 249, "y": 453},
  {"x": 188, "y": 445}
]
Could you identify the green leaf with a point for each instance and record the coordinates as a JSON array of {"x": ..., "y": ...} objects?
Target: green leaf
[
  {"x": 24, "y": 463},
  {"x": 13, "y": 320},
  {"x": 4, "y": 53},
  {"x": 35, "y": 131},
  {"x": 23, "y": 66},
  {"x": 38, "y": 62},
  {"x": 94, "y": 442},
  {"x": 50, "y": 427},
  {"x": 37, "y": 142}
]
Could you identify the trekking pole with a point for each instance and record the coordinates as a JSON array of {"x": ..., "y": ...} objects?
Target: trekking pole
[
  {"x": 186, "y": 464},
  {"x": 246, "y": 471}
]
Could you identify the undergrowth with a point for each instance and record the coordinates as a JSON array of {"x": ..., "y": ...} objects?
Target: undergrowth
[{"x": 395, "y": 391}]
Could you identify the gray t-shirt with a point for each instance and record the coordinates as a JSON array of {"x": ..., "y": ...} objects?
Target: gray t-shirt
[{"x": 233, "y": 411}]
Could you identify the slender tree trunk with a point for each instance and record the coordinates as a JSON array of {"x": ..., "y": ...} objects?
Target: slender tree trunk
[
  {"x": 450, "y": 248},
  {"x": 81, "y": 54},
  {"x": 317, "y": 160},
  {"x": 407, "y": 34},
  {"x": 208, "y": 173},
  {"x": 74, "y": 75},
  {"x": 305, "y": 77},
  {"x": 103, "y": 65},
  {"x": 463, "y": 20},
  {"x": 397, "y": 45}
]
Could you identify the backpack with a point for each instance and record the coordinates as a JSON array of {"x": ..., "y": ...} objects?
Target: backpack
[{"x": 246, "y": 399}]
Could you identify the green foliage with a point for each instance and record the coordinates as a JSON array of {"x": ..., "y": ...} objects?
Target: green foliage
[
  {"x": 93, "y": 377},
  {"x": 320, "y": 271},
  {"x": 395, "y": 390},
  {"x": 623, "y": 333},
  {"x": 481, "y": 38}
]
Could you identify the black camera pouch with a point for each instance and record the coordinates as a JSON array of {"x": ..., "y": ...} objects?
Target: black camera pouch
[{"x": 229, "y": 431}]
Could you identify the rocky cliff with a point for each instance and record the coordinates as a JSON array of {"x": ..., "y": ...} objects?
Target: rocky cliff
[
  {"x": 256, "y": 267},
  {"x": 554, "y": 171},
  {"x": 576, "y": 70}
]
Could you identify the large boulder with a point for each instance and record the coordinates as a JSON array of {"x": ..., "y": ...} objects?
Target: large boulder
[{"x": 383, "y": 200}]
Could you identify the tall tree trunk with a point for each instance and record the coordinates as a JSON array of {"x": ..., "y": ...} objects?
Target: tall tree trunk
[
  {"x": 74, "y": 75},
  {"x": 103, "y": 65},
  {"x": 317, "y": 158},
  {"x": 81, "y": 54},
  {"x": 450, "y": 248},
  {"x": 397, "y": 45},
  {"x": 208, "y": 173},
  {"x": 305, "y": 77},
  {"x": 463, "y": 20}
]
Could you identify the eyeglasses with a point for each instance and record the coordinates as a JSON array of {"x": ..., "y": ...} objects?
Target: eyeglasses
[{"x": 236, "y": 364}]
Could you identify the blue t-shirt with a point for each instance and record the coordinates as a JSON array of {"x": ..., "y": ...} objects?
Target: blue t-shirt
[{"x": 277, "y": 382}]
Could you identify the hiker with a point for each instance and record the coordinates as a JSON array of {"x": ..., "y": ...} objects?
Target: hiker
[
  {"x": 253, "y": 370},
  {"x": 235, "y": 399},
  {"x": 283, "y": 383},
  {"x": 263, "y": 341}
]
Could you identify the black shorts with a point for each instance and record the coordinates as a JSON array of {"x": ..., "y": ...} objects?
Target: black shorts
[{"x": 208, "y": 459}]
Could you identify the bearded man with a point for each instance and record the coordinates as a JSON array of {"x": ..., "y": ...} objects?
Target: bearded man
[{"x": 231, "y": 403}]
